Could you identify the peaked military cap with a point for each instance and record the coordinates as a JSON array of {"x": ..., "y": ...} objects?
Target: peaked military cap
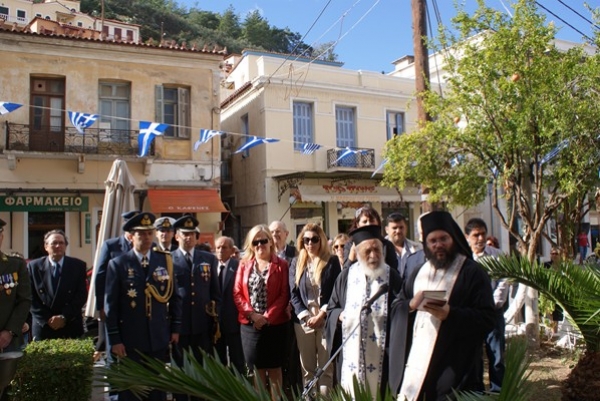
[
  {"x": 140, "y": 222},
  {"x": 186, "y": 223},
  {"x": 164, "y": 223},
  {"x": 130, "y": 214}
]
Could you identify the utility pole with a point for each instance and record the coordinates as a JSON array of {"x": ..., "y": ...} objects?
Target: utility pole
[
  {"x": 419, "y": 22},
  {"x": 422, "y": 84}
]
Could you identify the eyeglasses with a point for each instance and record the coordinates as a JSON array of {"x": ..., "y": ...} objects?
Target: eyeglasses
[
  {"x": 258, "y": 242},
  {"x": 338, "y": 246},
  {"x": 308, "y": 240}
]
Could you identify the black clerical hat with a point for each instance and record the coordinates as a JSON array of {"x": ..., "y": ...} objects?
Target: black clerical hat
[
  {"x": 365, "y": 233},
  {"x": 140, "y": 222},
  {"x": 441, "y": 220},
  {"x": 186, "y": 223}
]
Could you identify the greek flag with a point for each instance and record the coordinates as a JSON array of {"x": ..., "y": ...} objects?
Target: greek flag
[
  {"x": 205, "y": 136},
  {"x": 148, "y": 131},
  {"x": 82, "y": 121},
  {"x": 255, "y": 142},
  {"x": 310, "y": 148},
  {"x": 6, "y": 107},
  {"x": 381, "y": 165},
  {"x": 349, "y": 151},
  {"x": 554, "y": 152}
]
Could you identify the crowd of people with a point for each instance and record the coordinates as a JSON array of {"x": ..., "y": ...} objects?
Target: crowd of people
[{"x": 412, "y": 317}]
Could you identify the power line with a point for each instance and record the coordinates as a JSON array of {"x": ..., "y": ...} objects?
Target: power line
[
  {"x": 578, "y": 13},
  {"x": 564, "y": 22}
]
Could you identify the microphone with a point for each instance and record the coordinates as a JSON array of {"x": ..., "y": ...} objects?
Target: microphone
[{"x": 382, "y": 290}]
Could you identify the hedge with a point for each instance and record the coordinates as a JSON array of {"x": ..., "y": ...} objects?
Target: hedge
[{"x": 54, "y": 370}]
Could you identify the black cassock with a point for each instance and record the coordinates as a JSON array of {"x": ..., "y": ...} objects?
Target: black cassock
[
  {"x": 460, "y": 338},
  {"x": 333, "y": 326}
]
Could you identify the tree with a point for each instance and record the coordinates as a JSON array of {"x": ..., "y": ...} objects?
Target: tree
[
  {"x": 229, "y": 24},
  {"x": 256, "y": 30},
  {"x": 511, "y": 100}
]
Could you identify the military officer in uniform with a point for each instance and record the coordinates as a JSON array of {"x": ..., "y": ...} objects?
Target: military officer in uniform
[
  {"x": 165, "y": 233},
  {"x": 15, "y": 300},
  {"x": 198, "y": 285},
  {"x": 142, "y": 305}
]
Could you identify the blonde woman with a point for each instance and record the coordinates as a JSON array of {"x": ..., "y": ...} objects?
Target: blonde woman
[
  {"x": 312, "y": 277},
  {"x": 337, "y": 247},
  {"x": 261, "y": 294}
]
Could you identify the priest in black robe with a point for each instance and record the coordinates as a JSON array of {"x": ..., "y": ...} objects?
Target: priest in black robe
[
  {"x": 364, "y": 332},
  {"x": 440, "y": 318}
]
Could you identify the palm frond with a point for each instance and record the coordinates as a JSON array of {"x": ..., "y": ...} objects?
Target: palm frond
[
  {"x": 514, "y": 386},
  {"x": 210, "y": 380},
  {"x": 575, "y": 289}
]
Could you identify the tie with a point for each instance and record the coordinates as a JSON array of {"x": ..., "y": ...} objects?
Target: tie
[
  {"x": 55, "y": 274},
  {"x": 188, "y": 259},
  {"x": 222, "y": 275},
  {"x": 145, "y": 262}
]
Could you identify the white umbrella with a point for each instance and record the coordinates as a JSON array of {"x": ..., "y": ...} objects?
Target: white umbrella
[{"x": 118, "y": 199}]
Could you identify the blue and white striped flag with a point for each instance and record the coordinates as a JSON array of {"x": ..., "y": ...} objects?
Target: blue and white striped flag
[
  {"x": 381, "y": 165},
  {"x": 349, "y": 151},
  {"x": 310, "y": 148},
  {"x": 255, "y": 142},
  {"x": 205, "y": 136},
  {"x": 82, "y": 121},
  {"x": 148, "y": 131},
  {"x": 554, "y": 152},
  {"x": 6, "y": 107}
]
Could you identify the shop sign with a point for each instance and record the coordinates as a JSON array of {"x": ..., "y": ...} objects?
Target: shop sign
[{"x": 44, "y": 203}]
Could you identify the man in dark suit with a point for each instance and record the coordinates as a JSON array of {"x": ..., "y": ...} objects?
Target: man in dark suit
[
  {"x": 165, "y": 233},
  {"x": 228, "y": 317},
  {"x": 143, "y": 307},
  {"x": 198, "y": 285},
  {"x": 59, "y": 291},
  {"x": 292, "y": 375}
]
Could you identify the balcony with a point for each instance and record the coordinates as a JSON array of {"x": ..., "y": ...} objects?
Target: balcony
[
  {"x": 363, "y": 160},
  {"x": 21, "y": 137}
]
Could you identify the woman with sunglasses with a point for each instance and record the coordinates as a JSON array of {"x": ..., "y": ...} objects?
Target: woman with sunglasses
[
  {"x": 312, "y": 277},
  {"x": 339, "y": 242},
  {"x": 367, "y": 216},
  {"x": 261, "y": 294}
]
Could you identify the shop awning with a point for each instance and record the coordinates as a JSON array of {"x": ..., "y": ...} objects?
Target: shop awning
[
  {"x": 185, "y": 201},
  {"x": 352, "y": 193}
]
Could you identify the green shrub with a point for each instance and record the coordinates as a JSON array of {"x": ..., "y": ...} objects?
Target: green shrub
[{"x": 54, "y": 370}]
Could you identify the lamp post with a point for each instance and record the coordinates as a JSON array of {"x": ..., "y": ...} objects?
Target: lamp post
[{"x": 292, "y": 200}]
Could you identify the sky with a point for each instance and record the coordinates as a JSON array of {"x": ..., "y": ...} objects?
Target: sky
[{"x": 371, "y": 34}]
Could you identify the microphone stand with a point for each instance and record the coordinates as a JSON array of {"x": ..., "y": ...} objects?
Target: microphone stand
[{"x": 366, "y": 310}]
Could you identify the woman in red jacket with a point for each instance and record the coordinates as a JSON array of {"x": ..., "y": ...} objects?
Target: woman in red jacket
[{"x": 261, "y": 294}]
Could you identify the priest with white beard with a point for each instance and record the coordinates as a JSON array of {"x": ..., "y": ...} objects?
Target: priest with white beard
[
  {"x": 363, "y": 333},
  {"x": 435, "y": 344}
]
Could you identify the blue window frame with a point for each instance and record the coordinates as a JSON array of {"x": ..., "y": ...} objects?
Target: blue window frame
[{"x": 303, "y": 124}]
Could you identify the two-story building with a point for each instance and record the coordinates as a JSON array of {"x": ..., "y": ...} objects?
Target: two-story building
[
  {"x": 299, "y": 101},
  {"x": 52, "y": 176}
]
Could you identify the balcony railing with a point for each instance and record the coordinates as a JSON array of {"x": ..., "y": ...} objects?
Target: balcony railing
[
  {"x": 364, "y": 159},
  {"x": 95, "y": 140}
]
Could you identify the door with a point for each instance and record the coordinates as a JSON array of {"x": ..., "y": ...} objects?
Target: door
[
  {"x": 47, "y": 126},
  {"x": 39, "y": 223}
]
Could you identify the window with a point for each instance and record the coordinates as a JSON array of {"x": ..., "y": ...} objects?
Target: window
[
  {"x": 4, "y": 12},
  {"x": 172, "y": 107},
  {"x": 38, "y": 15},
  {"x": 129, "y": 35},
  {"x": 395, "y": 124},
  {"x": 344, "y": 127},
  {"x": 48, "y": 17},
  {"x": 303, "y": 124},
  {"x": 118, "y": 33},
  {"x": 21, "y": 16},
  {"x": 246, "y": 133},
  {"x": 80, "y": 24},
  {"x": 114, "y": 100},
  {"x": 47, "y": 127}
]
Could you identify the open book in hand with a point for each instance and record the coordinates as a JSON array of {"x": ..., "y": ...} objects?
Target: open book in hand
[{"x": 431, "y": 298}]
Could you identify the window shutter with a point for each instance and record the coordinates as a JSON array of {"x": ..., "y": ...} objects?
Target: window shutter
[
  {"x": 183, "y": 100},
  {"x": 158, "y": 113}
]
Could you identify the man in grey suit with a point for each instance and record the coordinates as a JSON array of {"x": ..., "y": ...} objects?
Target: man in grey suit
[{"x": 230, "y": 343}]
